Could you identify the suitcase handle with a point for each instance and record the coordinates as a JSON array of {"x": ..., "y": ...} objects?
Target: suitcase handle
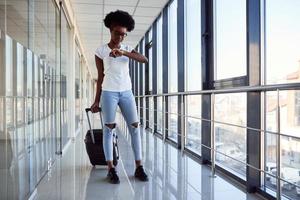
[{"x": 87, "y": 110}]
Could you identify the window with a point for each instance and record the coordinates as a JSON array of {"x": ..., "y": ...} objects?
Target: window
[
  {"x": 159, "y": 115},
  {"x": 172, "y": 50},
  {"x": 65, "y": 64},
  {"x": 20, "y": 111},
  {"x": 193, "y": 45},
  {"x": 143, "y": 68},
  {"x": 77, "y": 89},
  {"x": 20, "y": 72},
  {"x": 193, "y": 74},
  {"x": 41, "y": 80},
  {"x": 136, "y": 77},
  {"x": 159, "y": 74},
  {"x": 36, "y": 71},
  {"x": 137, "y": 86},
  {"x": 142, "y": 84},
  {"x": 9, "y": 113},
  {"x": 230, "y": 39},
  {"x": 151, "y": 113},
  {"x": 29, "y": 74},
  {"x": 20, "y": 84},
  {"x": 290, "y": 142},
  {"x": 159, "y": 56},
  {"x": 193, "y": 123},
  {"x": 173, "y": 71},
  {"x": 173, "y": 118},
  {"x": 150, "y": 79},
  {"x": 150, "y": 70},
  {"x": 282, "y": 41},
  {"x": 230, "y": 139},
  {"x": 150, "y": 61},
  {"x": 131, "y": 71},
  {"x": 8, "y": 66}
]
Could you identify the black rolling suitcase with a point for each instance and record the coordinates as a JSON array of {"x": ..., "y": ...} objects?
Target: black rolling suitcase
[{"x": 94, "y": 144}]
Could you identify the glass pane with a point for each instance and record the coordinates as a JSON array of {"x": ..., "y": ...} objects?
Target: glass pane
[
  {"x": 9, "y": 112},
  {"x": 51, "y": 55},
  {"x": 193, "y": 123},
  {"x": 36, "y": 109},
  {"x": 150, "y": 69},
  {"x": 77, "y": 90},
  {"x": 282, "y": 41},
  {"x": 151, "y": 113},
  {"x": 289, "y": 112},
  {"x": 29, "y": 110},
  {"x": 20, "y": 70},
  {"x": 47, "y": 81},
  {"x": 132, "y": 75},
  {"x": 36, "y": 76},
  {"x": 159, "y": 115},
  {"x": 230, "y": 39},
  {"x": 159, "y": 56},
  {"x": 41, "y": 104},
  {"x": 172, "y": 57},
  {"x": 9, "y": 66},
  {"x": 231, "y": 140},
  {"x": 21, "y": 163},
  {"x": 26, "y": 144},
  {"x": 159, "y": 74},
  {"x": 193, "y": 45},
  {"x": 41, "y": 80},
  {"x": 136, "y": 78},
  {"x": 29, "y": 74},
  {"x": 173, "y": 118},
  {"x": 20, "y": 111},
  {"x": 65, "y": 64},
  {"x": 143, "y": 68},
  {"x": 289, "y": 125}
]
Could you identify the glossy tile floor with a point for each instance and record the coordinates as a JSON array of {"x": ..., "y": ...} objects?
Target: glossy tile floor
[{"x": 172, "y": 176}]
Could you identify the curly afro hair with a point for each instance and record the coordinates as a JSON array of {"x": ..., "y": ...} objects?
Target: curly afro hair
[{"x": 120, "y": 18}]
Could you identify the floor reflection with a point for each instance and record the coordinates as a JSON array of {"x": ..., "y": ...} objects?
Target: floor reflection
[
  {"x": 26, "y": 152},
  {"x": 175, "y": 176},
  {"x": 171, "y": 176}
]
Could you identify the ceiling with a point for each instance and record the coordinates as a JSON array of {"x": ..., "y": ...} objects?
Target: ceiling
[{"x": 89, "y": 16}]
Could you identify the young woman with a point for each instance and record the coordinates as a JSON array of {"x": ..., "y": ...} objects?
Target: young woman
[{"x": 114, "y": 89}]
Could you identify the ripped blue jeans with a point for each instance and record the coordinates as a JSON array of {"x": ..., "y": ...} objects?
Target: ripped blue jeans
[{"x": 125, "y": 100}]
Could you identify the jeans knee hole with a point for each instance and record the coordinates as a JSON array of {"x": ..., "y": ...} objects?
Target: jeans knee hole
[
  {"x": 110, "y": 126},
  {"x": 135, "y": 125}
]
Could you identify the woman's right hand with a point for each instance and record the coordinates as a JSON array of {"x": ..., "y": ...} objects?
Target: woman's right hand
[{"x": 95, "y": 107}]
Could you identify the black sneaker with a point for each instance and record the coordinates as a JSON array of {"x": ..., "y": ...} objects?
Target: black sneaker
[
  {"x": 140, "y": 174},
  {"x": 113, "y": 176}
]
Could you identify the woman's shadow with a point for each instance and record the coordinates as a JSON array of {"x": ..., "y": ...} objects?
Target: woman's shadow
[{"x": 98, "y": 186}]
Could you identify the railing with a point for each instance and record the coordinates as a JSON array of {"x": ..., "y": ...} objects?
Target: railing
[{"x": 212, "y": 93}]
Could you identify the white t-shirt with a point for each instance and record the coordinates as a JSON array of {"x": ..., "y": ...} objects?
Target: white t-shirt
[{"x": 116, "y": 70}]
